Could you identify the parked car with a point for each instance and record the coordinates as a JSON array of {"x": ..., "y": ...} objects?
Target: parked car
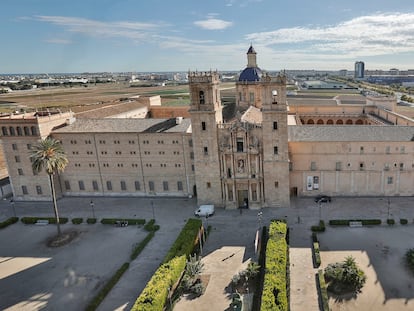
[
  {"x": 322, "y": 198},
  {"x": 205, "y": 211}
]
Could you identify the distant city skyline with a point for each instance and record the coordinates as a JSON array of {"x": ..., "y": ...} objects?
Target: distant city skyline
[{"x": 115, "y": 36}]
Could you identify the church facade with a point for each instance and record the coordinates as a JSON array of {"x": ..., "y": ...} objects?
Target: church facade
[{"x": 269, "y": 149}]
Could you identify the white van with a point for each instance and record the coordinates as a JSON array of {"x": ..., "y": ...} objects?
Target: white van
[{"x": 205, "y": 210}]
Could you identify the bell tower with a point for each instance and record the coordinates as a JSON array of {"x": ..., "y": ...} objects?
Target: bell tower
[{"x": 206, "y": 116}]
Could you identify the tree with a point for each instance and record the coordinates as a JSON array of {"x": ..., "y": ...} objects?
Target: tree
[{"x": 48, "y": 154}]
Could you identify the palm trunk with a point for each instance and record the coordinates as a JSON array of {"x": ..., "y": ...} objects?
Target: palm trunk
[{"x": 52, "y": 187}]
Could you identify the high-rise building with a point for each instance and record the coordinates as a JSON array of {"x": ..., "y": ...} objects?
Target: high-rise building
[{"x": 359, "y": 70}]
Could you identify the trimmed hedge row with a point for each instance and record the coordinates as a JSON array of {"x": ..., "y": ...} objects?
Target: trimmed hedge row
[
  {"x": 138, "y": 249},
  {"x": 345, "y": 222},
  {"x": 155, "y": 293},
  {"x": 320, "y": 228},
  {"x": 52, "y": 220},
  {"x": 274, "y": 296},
  {"x": 403, "y": 221},
  {"x": 93, "y": 305},
  {"x": 151, "y": 226},
  {"x": 91, "y": 220},
  {"x": 8, "y": 222},
  {"x": 77, "y": 221},
  {"x": 112, "y": 221},
  {"x": 323, "y": 291},
  {"x": 316, "y": 254}
]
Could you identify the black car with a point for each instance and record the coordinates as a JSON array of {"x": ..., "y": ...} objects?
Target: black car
[{"x": 322, "y": 198}]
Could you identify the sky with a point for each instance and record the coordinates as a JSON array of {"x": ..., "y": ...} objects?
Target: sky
[{"x": 49, "y": 36}]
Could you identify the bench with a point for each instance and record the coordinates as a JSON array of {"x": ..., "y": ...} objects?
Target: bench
[
  {"x": 42, "y": 222},
  {"x": 355, "y": 224}
]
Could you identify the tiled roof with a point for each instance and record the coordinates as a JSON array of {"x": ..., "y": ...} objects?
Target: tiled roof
[{"x": 351, "y": 133}]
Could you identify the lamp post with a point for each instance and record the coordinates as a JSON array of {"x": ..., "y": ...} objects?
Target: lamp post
[
  {"x": 320, "y": 212},
  {"x": 12, "y": 205},
  {"x": 259, "y": 219},
  {"x": 92, "y": 207},
  {"x": 153, "y": 211},
  {"x": 388, "y": 210}
]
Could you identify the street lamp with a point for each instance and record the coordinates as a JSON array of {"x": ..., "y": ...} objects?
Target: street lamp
[
  {"x": 259, "y": 219},
  {"x": 12, "y": 205},
  {"x": 388, "y": 211},
  {"x": 320, "y": 213},
  {"x": 93, "y": 211},
  {"x": 153, "y": 212}
]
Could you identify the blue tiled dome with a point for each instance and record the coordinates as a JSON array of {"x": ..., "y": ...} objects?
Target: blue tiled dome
[{"x": 251, "y": 74}]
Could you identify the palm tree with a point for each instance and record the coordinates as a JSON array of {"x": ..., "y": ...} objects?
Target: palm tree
[{"x": 48, "y": 154}]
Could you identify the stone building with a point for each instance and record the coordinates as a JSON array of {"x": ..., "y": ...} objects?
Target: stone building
[{"x": 259, "y": 152}]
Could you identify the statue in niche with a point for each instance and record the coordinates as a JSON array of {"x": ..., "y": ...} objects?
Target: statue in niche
[{"x": 240, "y": 166}]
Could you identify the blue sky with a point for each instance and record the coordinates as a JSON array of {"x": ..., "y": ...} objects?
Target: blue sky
[{"x": 46, "y": 36}]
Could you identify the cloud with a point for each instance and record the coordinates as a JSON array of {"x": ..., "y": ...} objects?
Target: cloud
[
  {"x": 378, "y": 34},
  {"x": 58, "y": 41},
  {"x": 212, "y": 23}
]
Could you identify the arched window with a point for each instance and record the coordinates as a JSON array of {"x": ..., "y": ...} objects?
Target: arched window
[
  {"x": 26, "y": 131},
  {"x": 359, "y": 122},
  {"x": 320, "y": 121},
  {"x": 12, "y": 132},
  {"x": 201, "y": 97},
  {"x": 19, "y": 131},
  {"x": 4, "y": 131},
  {"x": 33, "y": 130},
  {"x": 339, "y": 122},
  {"x": 310, "y": 121},
  {"x": 349, "y": 121},
  {"x": 329, "y": 122}
]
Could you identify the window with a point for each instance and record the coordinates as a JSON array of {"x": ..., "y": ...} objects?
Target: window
[
  {"x": 81, "y": 185},
  {"x": 29, "y": 146},
  {"x": 24, "y": 190},
  {"x": 17, "y": 158},
  {"x": 201, "y": 97},
  {"x": 338, "y": 166},
  {"x": 389, "y": 180},
  {"x": 165, "y": 185},
  {"x": 208, "y": 185},
  {"x": 401, "y": 166},
  {"x": 191, "y": 155},
  {"x": 203, "y": 126},
  {"x": 19, "y": 131},
  {"x": 190, "y": 142},
  {"x": 275, "y": 150},
  {"x": 275, "y": 125},
  {"x": 39, "y": 190},
  {"x": 26, "y": 131},
  {"x": 95, "y": 185},
  {"x": 12, "y": 132},
  {"x": 151, "y": 185},
  {"x": 251, "y": 97},
  {"x": 240, "y": 146},
  {"x": 67, "y": 185},
  {"x": 361, "y": 166},
  {"x": 14, "y": 146},
  {"x": 192, "y": 167},
  {"x": 230, "y": 192},
  {"x": 137, "y": 186},
  {"x": 402, "y": 149},
  {"x": 361, "y": 150},
  {"x": 313, "y": 166},
  {"x": 179, "y": 185},
  {"x": 4, "y": 131},
  {"x": 109, "y": 185},
  {"x": 387, "y": 149},
  {"x": 87, "y": 142},
  {"x": 276, "y": 184},
  {"x": 205, "y": 150},
  {"x": 20, "y": 171},
  {"x": 254, "y": 192},
  {"x": 123, "y": 185},
  {"x": 33, "y": 130}
]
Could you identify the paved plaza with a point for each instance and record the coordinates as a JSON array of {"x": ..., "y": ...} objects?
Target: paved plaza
[{"x": 33, "y": 276}]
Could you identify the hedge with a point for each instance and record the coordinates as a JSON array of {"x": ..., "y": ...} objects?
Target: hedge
[
  {"x": 91, "y": 220},
  {"x": 390, "y": 221},
  {"x": 345, "y": 222},
  {"x": 52, "y": 220},
  {"x": 320, "y": 228},
  {"x": 93, "y": 305},
  {"x": 77, "y": 221},
  {"x": 8, "y": 222},
  {"x": 138, "y": 249},
  {"x": 323, "y": 291},
  {"x": 151, "y": 226},
  {"x": 316, "y": 254},
  {"x": 403, "y": 221},
  {"x": 112, "y": 221},
  {"x": 155, "y": 293},
  {"x": 274, "y": 296}
]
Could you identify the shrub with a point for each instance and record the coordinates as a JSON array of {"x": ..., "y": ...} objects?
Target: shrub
[
  {"x": 403, "y": 221},
  {"x": 91, "y": 220},
  {"x": 345, "y": 222},
  {"x": 345, "y": 276},
  {"x": 8, "y": 222},
  {"x": 138, "y": 249},
  {"x": 315, "y": 237},
  {"x": 150, "y": 226},
  {"x": 274, "y": 296},
  {"x": 409, "y": 259},
  {"x": 52, "y": 220},
  {"x": 323, "y": 292},
  {"x": 319, "y": 228},
  {"x": 316, "y": 254},
  {"x": 112, "y": 221},
  {"x": 93, "y": 305},
  {"x": 77, "y": 221},
  {"x": 390, "y": 221}
]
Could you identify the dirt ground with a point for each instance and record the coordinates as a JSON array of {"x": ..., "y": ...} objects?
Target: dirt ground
[{"x": 379, "y": 252}]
